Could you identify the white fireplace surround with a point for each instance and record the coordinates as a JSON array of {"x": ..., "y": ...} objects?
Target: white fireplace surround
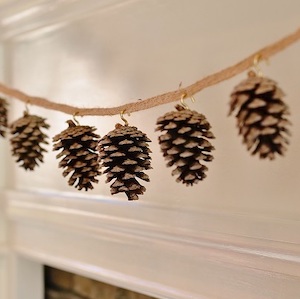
[
  {"x": 84, "y": 235},
  {"x": 169, "y": 251}
]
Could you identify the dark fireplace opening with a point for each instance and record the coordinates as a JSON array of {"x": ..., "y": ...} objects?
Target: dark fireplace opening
[{"x": 60, "y": 284}]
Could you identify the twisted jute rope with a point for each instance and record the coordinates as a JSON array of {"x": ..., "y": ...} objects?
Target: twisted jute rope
[{"x": 161, "y": 99}]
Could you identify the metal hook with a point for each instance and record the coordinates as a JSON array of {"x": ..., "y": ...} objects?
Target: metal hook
[
  {"x": 123, "y": 118},
  {"x": 26, "y": 107},
  {"x": 192, "y": 99},
  {"x": 74, "y": 118},
  {"x": 256, "y": 60},
  {"x": 183, "y": 103},
  {"x": 183, "y": 96}
]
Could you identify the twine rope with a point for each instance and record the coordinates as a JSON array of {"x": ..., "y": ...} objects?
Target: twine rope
[{"x": 161, "y": 99}]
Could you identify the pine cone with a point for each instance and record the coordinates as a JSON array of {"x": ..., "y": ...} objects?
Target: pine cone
[
  {"x": 3, "y": 117},
  {"x": 28, "y": 139},
  {"x": 125, "y": 153},
  {"x": 79, "y": 152},
  {"x": 185, "y": 143},
  {"x": 261, "y": 116}
]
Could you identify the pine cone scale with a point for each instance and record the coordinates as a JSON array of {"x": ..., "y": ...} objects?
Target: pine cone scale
[
  {"x": 125, "y": 153},
  {"x": 3, "y": 117},
  {"x": 183, "y": 143},
  {"x": 27, "y": 140},
  {"x": 261, "y": 116},
  {"x": 79, "y": 155}
]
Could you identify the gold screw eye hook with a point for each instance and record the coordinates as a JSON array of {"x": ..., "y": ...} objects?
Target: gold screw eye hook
[
  {"x": 183, "y": 96},
  {"x": 74, "y": 118},
  {"x": 123, "y": 118},
  {"x": 256, "y": 60},
  {"x": 27, "y": 107},
  {"x": 182, "y": 102}
]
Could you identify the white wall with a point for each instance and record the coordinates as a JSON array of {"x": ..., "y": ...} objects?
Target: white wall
[
  {"x": 139, "y": 49},
  {"x": 107, "y": 53}
]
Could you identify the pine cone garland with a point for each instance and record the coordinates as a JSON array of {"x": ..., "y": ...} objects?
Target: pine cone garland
[
  {"x": 261, "y": 116},
  {"x": 185, "y": 143},
  {"x": 3, "y": 117},
  {"x": 78, "y": 145},
  {"x": 28, "y": 139},
  {"x": 125, "y": 154}
]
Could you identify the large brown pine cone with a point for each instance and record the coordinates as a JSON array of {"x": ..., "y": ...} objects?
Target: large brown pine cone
[
  {"x": 3, "y": 117},
  {"x": 125, "y": 154},
  {"x": 185, "y": 143},
  {"x": 28, "y": 139},
  {"x": 78, "y": 145},
  {"x": 261, "y": 116}
]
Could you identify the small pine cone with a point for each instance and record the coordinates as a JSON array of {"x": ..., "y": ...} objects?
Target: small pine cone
[
  {"x": 185, "y": 143},
  {"x": 261, "y": 116},
  {"x": 125, "y": 153},
  {"x": 27, "y": 140},
  {"x": 3, "y": 117},
  {"x": 79, "y": 152}
]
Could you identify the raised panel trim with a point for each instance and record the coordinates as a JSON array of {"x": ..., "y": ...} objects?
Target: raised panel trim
[{"x": 108, "y": 236}]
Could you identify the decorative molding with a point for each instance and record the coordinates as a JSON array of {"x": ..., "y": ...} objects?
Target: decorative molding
[{"x": 140, "y": 247}]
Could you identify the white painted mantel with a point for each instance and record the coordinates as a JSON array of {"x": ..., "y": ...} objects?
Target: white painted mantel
[{"x": 235, "y": 235}]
